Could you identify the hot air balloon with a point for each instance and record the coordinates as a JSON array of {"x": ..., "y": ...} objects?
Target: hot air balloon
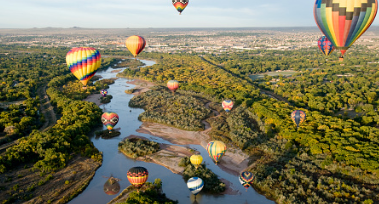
[
  {"x": 298, "y": 117},
  {"x": 83, "y": 62},
  {"x": 173, "y": 85},
  {"x": 216, "y": 149},
  {"x": 104, "y": 92},
  {"x": 325, "y": 45},
  {"x": 109, "y": 120},
  {"x": 195, "y": 185},
  {"x": 111, "y": 186},
  {"x": 196, "y": 160},
  {"x": 227, "y": 105},
  {"x": 135, "y": 44},
  {"x": 344, "y": 21},
  {"x": 180, "y": 5},
  {"x": 137, "y": 176},
  {"x": 244, "y": 184},
  {"x": 246, "y": 179}
]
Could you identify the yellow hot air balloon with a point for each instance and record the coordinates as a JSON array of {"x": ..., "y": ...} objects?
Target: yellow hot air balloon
[
  {"x": 196, "y": 160},
  {"x": 83, "y": 62},
  {"x": 216, "y": 149},
  {"x": 135, "y": 44}
]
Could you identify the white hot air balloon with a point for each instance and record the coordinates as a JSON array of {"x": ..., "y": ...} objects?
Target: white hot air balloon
[{"x": 195, "y": 185}]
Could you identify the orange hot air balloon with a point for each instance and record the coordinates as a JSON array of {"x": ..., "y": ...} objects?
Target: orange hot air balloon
[
  {"x": 173, "y": 85},
  {"x": 135, "y": 44},
  {"x": 137, "y": 176}
]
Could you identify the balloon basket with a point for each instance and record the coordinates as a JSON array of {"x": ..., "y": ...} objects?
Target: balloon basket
[{"x": 340, "y": 59}]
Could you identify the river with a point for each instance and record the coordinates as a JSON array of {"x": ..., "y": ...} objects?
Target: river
[{"x": 116, "y": 164}]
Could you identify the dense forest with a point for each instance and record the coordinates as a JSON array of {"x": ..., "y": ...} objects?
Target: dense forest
[
  {"x": 333, "y": 151},
  {"x": 179, "y": 110}
]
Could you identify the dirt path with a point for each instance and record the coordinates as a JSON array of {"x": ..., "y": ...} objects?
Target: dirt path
[
  {"x": 48, "y": 112},
  {"x": 46, "y": 109}
]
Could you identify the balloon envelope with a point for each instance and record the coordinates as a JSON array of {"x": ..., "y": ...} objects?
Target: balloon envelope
[
  {"x": 344, "y": 21},
  {"x": 180, "y": 5},
  {"x": 246, "y": 179},
  {"x": 83, "y": 62},
  {"x": 227, "y": 105},
  {"x": 243, "y": 183},
  {"x": 135, "y": 44},
  {"x": 216, "y": 149},
  {"x": 325, "y": 45},
  {"x": 298, "y": 117},
  {"x": 109, "y": 119},
  {"x": 111, "y": 186},
  {"x": 196, "y": 160},
  {"x": 173, "y": 85},
  {"x": 195, "y": 185},
  {"x": 137, "y": 176},
  {"x": 104, "y": 92}
]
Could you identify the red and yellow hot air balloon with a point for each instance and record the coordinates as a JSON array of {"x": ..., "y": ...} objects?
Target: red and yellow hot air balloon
[
  {"x": 137, "y": 176},
  {"x": 344, "y": 21},
  {"x": 135, "y": 44},
  {"x": 180, "y": 5},
  {"x": 216, "y": 149},
  {"x": 173, "y": 85},
  {"x": 227, "y": 105},
  {"x": 246, "y": 179},
  {"x": 83, "y": 62}
]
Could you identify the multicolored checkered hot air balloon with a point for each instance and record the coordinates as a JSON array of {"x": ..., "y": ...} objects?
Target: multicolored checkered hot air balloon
[
  {"x": 135, "y": 44},
  {"x": 246, "y": 179},
  {"x": 180, "y": 5},
  {"x": 227, "y": 105},
  {"x": 83, "y": 62},
  {"x": 195, "y": 185},
  {"x": 325, "y": 45},
  {"x": 344, "y": 21},
  {"x": 109, "y": 120},
  {"x": 196, "y": 160},
  {"x": 298, "y": 117},
  {"x": 104, "y": 92},
  {"x": 173, "y": 85},
  {"x": 137, "y": 176},
  {"x": 216, "y": 149}
]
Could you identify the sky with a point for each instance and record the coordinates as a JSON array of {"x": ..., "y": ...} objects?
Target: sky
[{"x": 155, "y": 13}]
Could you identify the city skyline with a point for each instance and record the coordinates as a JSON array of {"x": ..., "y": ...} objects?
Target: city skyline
[{"x": 156, "y": 14}]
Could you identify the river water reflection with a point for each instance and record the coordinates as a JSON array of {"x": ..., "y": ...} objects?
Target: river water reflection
[{"x": 116, "y": 164}]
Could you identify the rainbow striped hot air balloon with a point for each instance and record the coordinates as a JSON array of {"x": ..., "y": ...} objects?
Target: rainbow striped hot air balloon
[
  {"x": 298, "y": 117},
  {"x": 173, "y": 85},
  {"x": 246, "y": 179},
  {"x": 83, "y": 62},
  {"x": 195, "y": 185},
  {"x": 135, "y": 44},
  {"x": 104, "y": 92},
  {"x": 196, "y": 160},
  {"x": 325, "y": 45},
  {"x": 227, "y": 105},
  {"x": 344, "y": 21},
  {"x": 180, "y": 5},
  {"x": 109, "y": 120},
  {"x": 216, "y": 149},
  {"x": 137, "y": 176}
]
